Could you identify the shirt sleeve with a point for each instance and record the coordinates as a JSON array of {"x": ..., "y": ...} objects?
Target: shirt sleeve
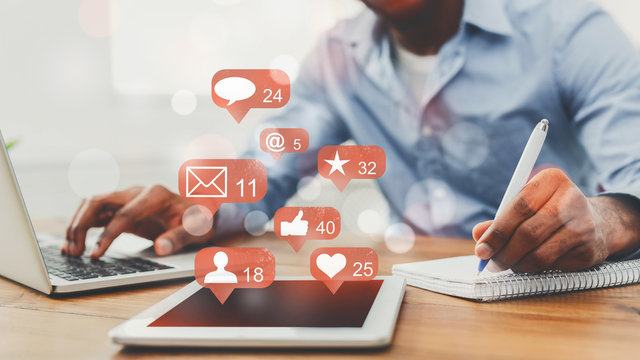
[
  {"x": 597, "y": 70},
  {"x": 309, "y": 108}
]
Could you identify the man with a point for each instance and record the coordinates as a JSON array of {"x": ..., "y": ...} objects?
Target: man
[{"x": 460, "y": 118}]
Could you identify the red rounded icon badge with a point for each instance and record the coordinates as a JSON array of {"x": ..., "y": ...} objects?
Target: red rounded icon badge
[
  {"x": 333, "y": 266},
  {"x": 299, "y": 224},
  {"x": 277, "y": 141},
  {"x": 224, "y": 269},
  {"x": 239, "y": 90},
  {"x": 212, "y": 182},
  {"x": 341, "y": 163}
]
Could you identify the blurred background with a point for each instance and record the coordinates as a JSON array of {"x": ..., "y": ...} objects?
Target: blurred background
[{"x": 105, "y": 94}]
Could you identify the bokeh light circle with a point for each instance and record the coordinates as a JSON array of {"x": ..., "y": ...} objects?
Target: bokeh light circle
[
  {"x": 286, "y": 63},
  {"x": 93, "y": 172},
  {"x": 399, "y": 238},
  {"x": 465, "y": 145},
  {"x": 371, "y": 222},
  {"x": 184, "y": 102},
  {"x": 197, "y": 220},
  {"x": 430, "y": 205},
  {"x": 359, "y": 201},
  {"x": 309, "y": 188},
  {"x": 255, "y": 222}
]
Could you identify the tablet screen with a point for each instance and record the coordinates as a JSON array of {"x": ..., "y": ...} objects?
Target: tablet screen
[{"x": 285, "y": 303}]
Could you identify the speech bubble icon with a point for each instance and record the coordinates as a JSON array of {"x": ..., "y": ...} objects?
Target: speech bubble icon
[
  {"x": 299, "y": 224},
  {"x": 223, "y": 270},
  {"x": 212, "y": 182},
  {"x": 277, "y": 141},
  {"x": 239, "y": 90},
  {"x": 333, "y": 266},
  {"x": 234, "y": 89},
  {"x": 342, "y": 163}
]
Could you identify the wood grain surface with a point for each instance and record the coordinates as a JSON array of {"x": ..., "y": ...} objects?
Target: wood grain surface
[{"x": 585, "y": 325}]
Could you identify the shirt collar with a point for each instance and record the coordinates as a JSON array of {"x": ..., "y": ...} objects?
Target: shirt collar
[{"x": 488, "y": 15}]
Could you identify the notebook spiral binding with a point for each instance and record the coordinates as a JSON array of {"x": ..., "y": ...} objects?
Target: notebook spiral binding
[{"x": 551, "y": 282}]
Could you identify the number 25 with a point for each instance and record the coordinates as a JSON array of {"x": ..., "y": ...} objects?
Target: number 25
[{"x": 367, "y": 269}]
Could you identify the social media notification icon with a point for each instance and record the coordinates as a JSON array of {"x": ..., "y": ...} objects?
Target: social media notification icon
[
  {"x": 299, "y": 224},
  {"x": 334, "y": 266},
  {"x": 341, "y": 163},
  {"x": 224, "y": 269},
  {"x": 239, "y": 90},
  {"x": 277, "y": 141},
  {"x": 212, "y": 182}
]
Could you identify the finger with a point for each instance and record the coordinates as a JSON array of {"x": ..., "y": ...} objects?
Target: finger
[
  {"x": 175, "y": 239},
  {"x": 578, "y": 258},
  {"x": 587, "y": 251},
  {"x": 95, "y": 213},
  {"x": 145, "y": 204},
  {"x": 86, "y": 218},
  {"x": 480, "y": 228},
  {"x": 298, "y": 217},
  {"x": 545, "y": 255},
  {"x": 527, "y": 236},
  {"x": 64, "y": 249},
  {"x": 526, "y": 204}
]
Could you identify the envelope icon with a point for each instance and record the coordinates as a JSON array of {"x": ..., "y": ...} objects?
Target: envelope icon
[{"x": 206, "y": 181}]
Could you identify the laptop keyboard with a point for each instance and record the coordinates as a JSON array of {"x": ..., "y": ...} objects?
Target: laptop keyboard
[{"x": 80, "y": 268}]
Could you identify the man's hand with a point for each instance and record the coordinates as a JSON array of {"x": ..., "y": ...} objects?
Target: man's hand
[
  {"x": 154, "y": 213},
  {"x": 552, "y": 225}
]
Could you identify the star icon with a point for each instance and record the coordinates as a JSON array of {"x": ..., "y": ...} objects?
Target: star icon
[{"x": 336, "y": 164}]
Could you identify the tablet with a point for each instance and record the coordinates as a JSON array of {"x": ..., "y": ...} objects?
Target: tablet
[{"x": 291, "y": 312}]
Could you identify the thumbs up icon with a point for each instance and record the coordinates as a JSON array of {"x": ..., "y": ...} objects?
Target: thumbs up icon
[{"x": 297, "y": 227}]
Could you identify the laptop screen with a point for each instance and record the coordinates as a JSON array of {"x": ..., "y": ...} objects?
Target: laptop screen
[{"x": 285, "y": 303}]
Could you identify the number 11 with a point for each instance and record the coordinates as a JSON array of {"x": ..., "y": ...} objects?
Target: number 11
[{"x": 252, "y": 183}]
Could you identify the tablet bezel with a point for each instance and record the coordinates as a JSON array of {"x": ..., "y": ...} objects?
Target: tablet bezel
[{"x": 376, "y": 331}]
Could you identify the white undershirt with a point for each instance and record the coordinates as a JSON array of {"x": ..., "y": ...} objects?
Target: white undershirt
[{"x": 414, "y": 70}]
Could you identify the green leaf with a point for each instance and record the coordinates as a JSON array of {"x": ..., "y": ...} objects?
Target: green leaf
[{"x": 11, "y": 144}]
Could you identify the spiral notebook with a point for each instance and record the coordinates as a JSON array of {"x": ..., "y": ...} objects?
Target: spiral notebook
[{"x": 458, "y": 276}]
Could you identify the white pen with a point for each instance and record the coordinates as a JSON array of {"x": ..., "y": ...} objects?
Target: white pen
[{"x": 521, "y": 173}]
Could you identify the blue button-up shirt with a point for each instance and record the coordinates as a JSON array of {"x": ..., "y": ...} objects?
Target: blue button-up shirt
[{"x": 450, "y": 155}]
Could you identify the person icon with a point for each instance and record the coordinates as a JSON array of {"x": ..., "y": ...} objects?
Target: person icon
[{"x": 220, "y": 275}]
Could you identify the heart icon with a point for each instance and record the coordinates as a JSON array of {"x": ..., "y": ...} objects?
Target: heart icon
[{"x": 331, "y": 265}]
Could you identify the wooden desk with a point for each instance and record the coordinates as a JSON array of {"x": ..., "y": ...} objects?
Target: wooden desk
[{"x": 587, "y": 325}]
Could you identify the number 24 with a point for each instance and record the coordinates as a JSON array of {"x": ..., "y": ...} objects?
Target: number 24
[{"x": 271, "y": 95}]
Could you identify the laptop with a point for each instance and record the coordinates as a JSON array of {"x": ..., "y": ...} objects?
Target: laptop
[{"x": 35, "y": 260}]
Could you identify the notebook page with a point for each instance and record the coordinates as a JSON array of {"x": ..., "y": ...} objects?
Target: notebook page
[{"x": 463, "y": 269}]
